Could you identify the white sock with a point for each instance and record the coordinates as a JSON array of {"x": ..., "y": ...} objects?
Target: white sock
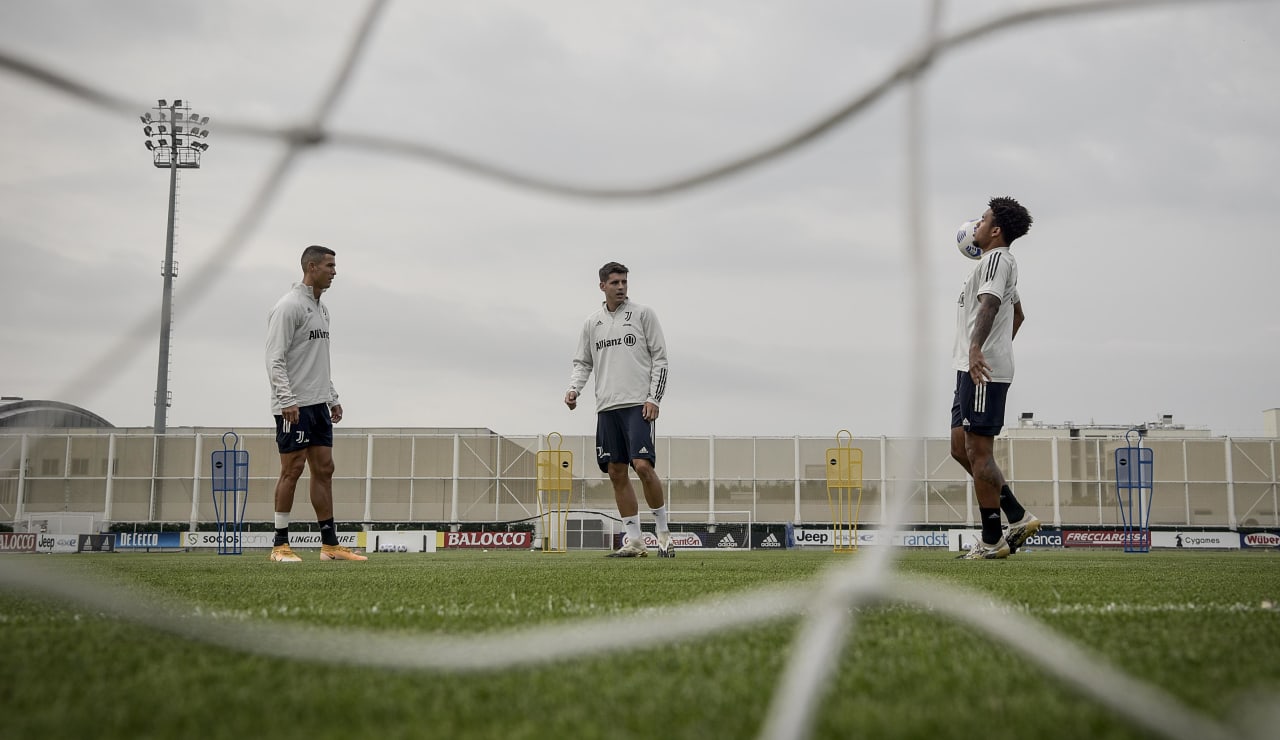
[
  {"x": 660, "y": 514},
  {"x": 282, "y": 520},
  {"x": 632, "y": 524}
]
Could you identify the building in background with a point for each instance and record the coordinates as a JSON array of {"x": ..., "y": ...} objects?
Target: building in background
[
  {"x": 17, "y": 412},
  {"x": 1162, "y": 428}
]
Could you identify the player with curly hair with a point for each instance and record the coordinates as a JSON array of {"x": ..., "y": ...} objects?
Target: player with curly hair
[{"x": 988, "y": 317}]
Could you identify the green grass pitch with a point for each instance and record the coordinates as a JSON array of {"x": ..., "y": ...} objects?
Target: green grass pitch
[{"x": 1196, "y": 624}]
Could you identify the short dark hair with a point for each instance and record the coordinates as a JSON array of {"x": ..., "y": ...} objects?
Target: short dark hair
[
  {"x": 314, "y": 253},
  {"x": 610, "y": 268},
  {"x": 1011, "y": 216}
]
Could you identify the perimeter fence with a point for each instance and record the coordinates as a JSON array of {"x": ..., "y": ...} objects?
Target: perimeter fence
[{"x": 477, "y": 476}]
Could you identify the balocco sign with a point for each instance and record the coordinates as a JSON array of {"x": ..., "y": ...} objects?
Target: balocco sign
[
  {"x": 512, "y": 540},
  {"x": 17, "y": 541}
]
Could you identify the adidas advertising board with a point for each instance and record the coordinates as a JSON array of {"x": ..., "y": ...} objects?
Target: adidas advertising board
[
  {"x": 768, "y": 540},
  {"x": 96, "y": 543},
  {"x": 727, "y": 540}
]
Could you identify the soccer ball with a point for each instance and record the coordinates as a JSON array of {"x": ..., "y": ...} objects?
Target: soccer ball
[{"x": 964, "y": 240}]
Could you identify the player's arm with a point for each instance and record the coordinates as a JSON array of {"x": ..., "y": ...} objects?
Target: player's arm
[
  {"x": 658, "y": 367},
  {"x": 280, "y": 325},
  {"x": 582, "y": 364},
  {"x": 1018, "y": 317},
  {"x": 988, "y": 306}
]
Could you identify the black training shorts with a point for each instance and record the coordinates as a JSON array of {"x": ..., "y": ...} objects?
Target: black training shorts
[
  {"x": 314, "y": 429},
  {"x": 622, "y": 435}
]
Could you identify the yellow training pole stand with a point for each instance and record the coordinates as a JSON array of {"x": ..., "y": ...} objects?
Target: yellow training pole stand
[
  {"x": 555, "y": 479},
  {"x": 844, "y": 475}
]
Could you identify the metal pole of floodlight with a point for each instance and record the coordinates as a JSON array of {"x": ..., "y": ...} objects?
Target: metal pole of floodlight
[{"x": 171, "y": 139}]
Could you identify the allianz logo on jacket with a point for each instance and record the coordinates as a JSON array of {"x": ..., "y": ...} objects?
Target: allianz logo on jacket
[
  {"x": 318, "y": 334},
  {"x": 629, "y": 340}
]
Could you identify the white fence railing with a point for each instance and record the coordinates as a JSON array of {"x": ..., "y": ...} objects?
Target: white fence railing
[{"x": 476, "y": 475}]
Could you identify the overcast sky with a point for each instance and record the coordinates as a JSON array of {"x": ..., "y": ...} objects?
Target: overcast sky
[{"x": 1146, "y": 144}]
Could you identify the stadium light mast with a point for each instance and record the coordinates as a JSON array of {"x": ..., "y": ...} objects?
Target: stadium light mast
[{"x": 175, "y": 138}]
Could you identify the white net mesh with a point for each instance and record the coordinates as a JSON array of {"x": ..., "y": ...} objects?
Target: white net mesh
[{"x": 827, "y": 620}]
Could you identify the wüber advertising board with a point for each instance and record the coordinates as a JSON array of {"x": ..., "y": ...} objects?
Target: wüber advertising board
[{"x": 1260, "y": 539}]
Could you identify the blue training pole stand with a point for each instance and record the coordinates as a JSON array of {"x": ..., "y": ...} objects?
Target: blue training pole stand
[
  {"x": 1134, "y": 488},
  {"x": 230, "y": 493}
]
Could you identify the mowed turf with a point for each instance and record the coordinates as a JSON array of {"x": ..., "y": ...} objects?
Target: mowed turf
[{"x": 1194, "y": 623}]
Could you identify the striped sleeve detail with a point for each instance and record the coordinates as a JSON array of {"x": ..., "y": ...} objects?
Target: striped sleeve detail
[
  {"x": 992, "y": 266},
  {"x": 662, "y": 385}
]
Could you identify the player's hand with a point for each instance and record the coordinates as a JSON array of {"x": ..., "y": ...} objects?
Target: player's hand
[
  {"x": 335, "y": 413},
  {"x": 650, "y": 411},
  {"x": 979, "y": 370},
  {"x": 290, "y": 414},
  {"x": 571, "y": 400}
]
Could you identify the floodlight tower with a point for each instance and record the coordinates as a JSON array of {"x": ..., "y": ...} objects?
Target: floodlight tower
[{"x": 175, "y": 138}]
